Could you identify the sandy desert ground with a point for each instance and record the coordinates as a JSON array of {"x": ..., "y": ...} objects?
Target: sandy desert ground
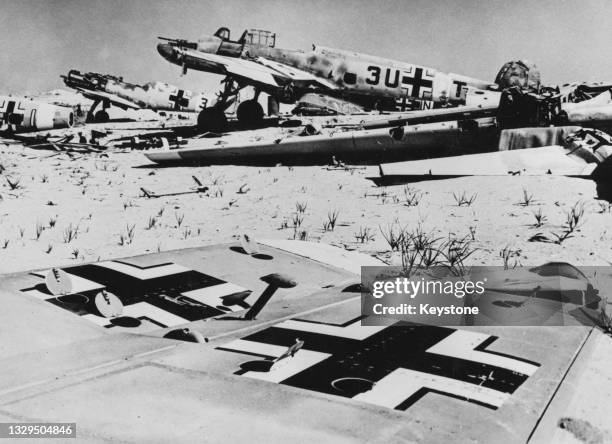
[{"x": 65, "y": 211}]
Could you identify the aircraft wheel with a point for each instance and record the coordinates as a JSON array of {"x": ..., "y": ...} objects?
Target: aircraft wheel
[
  {"x": 212, "y": 120},
  {"x": 101, "y": 117},
  {"x": 250, "y": 113}
]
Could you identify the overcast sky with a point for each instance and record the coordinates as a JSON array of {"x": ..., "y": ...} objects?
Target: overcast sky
[{"x": 568, "y": 40}]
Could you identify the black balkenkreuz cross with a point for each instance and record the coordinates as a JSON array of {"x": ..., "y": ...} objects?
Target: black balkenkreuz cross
[
  {"x": 10, "y": 116},
  {"x": 178, "y": 100},
  {"x": 392, "y": 366},
  {"x": 417, "y": 82},
  {"x": 159, "y": 289}
]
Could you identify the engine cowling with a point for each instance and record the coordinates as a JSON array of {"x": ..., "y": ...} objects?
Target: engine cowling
[{"x": 519, "y": 73}]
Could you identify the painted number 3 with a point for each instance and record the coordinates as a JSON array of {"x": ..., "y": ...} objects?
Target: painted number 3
[{"x": 374, "y": 75}]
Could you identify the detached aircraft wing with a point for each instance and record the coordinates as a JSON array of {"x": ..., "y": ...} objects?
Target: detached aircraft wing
[
  {"x": 115, "y": 100},
  {"x": 528, "y": 162},
  {"x": 71, "y": 355},
  {"x": 587, "y": 154}
]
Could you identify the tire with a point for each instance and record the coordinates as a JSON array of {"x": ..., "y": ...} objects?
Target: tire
[
  {"x": 212, "y": 120},
  {"x": 250, "y": 113},
  {"x": 101, "y": 117}
]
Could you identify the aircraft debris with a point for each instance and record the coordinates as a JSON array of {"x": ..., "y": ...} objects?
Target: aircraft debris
[
  {"x": 362, "y": 146},
  {"x": 199, "y": 188},
  {"x": 20, "y": 114},
  {"x": 584, "y": 153}
]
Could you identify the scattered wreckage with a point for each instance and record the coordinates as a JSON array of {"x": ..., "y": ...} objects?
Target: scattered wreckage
[
  {"x": 505, "y": 116},
  {"x": 22, "y": 114},
  {"x": 415, "y": 135},
  {"x": 560, "y": 151}
]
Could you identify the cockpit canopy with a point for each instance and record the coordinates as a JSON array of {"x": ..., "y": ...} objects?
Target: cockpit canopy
[
  {"x": 260, "y": 37},
  {"x": 223, "y": 33},
  {"x": 250, "y": 36}
]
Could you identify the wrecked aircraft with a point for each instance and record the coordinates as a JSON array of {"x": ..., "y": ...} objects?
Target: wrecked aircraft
[
  {"x": 562, "y": 151},
  {"x": 109, "y": 90},
  {"x": 21, "y": 114},
  {"x": 359, "y": 147},
  {"x": 413, "y": 135},
  {"x": 372, "y": 82}
]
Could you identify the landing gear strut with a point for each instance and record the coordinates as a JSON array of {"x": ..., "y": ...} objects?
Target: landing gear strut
[
  {"x": 100, "y": 116},
  {"x": 213, "y": 119}
]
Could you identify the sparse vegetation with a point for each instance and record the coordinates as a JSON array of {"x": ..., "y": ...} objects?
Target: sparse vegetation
[
  {"x": 39, "y": 230},
  {"x": 573, "y": 221},
  {"x": 507, "y": 254},
  {"x": 300, "y": 235},
  {"x": 464, "y": 200},
  {"x": 152, "y": 222},
  {"x": 472, "y": 229},
  {"x": 13, "y": 183},
  {"x": 297, "y": 220},
  {"x": 364, "y": 235},
  {"x": 332, "y": 218},
  {"x": 412, "y": 197},
  {"x": 423, "y": 250},
  {"x": 394, "y": 236},
  {"x": 128, "y": 236},
  {"x": 527, "y": 199},
  {"x": 539, "y": 217},
  {"x": 300, "y": 207},
  {"x": 70, "y": 233}
]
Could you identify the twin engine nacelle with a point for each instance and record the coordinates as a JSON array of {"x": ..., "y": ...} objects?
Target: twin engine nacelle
[{"x": 19, "y": 114}]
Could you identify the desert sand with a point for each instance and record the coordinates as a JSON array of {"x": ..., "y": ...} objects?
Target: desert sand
[{"x": 66, "y": 211}]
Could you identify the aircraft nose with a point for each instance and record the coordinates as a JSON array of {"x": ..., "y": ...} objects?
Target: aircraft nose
[{"x": 165, "y": 50}]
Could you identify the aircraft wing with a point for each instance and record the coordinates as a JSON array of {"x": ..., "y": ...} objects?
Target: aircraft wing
[
  {"x": 551, "y": 160},
  {"x": 260, "y": 70},
  {"x": 296, "y": 74},
  {"x": 61, "y": 361},
  {"x": 115, "y": 100}
]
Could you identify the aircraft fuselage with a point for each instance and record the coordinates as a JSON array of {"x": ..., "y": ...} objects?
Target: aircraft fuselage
[
  {"x": 20, "y": 114},
  {"x": 157, "y": 96},
  {"x": 360, "y": 78}
]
